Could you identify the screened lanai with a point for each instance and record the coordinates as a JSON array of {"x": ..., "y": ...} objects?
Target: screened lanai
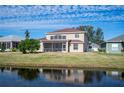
[{"x": 9, "y": 42}]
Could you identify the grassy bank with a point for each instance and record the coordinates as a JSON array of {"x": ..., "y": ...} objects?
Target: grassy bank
[{"x": 78, "y": 60}]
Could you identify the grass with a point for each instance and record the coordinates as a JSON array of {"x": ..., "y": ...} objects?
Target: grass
[{"x": 76, "y": 60}]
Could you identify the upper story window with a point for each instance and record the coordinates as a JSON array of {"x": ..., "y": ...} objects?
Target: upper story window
[
  {"x": 51, "y": 37},
  {"x": 76, "y": 35},
  {"x": 64, "y": 37},
  {"x": 57, "y": 37}
]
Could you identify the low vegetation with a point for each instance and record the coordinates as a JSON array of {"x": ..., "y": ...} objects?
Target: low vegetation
[
  {"x": 78, "y": 60},
  {"x": 29, "y": 45}
]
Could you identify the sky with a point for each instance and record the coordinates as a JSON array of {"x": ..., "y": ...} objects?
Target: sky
[{"x": 15, "y": 20}]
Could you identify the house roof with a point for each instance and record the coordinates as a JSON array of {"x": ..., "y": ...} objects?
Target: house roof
[
  {"x": 46, "y": 40},
  {"x": 66, "y": 31},
  {"x": 43, "y": 39},
  {"x": 71, "y": 41},
  {"x": 94, "y": 45},
  {"x": 76, "y": 41},
  {"x": 10, "y": 38},
  {"x": 117, "y": 39}
]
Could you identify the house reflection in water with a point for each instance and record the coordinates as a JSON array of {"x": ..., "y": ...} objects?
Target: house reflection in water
[
  {"x": 73, "y": 75},
  {"x": 115, "y": 75},
  {"x": 64, "y": 75}
]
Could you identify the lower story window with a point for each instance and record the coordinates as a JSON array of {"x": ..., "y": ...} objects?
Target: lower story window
[
  {"x": 64, "y": 47},
  {"x": 75, "y": 46}
]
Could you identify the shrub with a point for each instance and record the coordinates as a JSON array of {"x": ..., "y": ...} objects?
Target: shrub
[
  {"x": 22, "y": 47},
  {"x": 29, "y": 45},
  {"x": 14, "y": 49},
  {"x": 101, "y": 50}
]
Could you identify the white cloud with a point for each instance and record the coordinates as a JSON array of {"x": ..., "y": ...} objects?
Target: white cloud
[{"x": 54, "y": 14}]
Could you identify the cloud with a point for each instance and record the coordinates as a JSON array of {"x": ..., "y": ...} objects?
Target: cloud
[{"x": 59, "y": 14}]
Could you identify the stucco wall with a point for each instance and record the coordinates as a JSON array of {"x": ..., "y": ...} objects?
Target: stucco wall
[
  {"x": 80, "y": 48},
  {"x": 41, "y": 47},
  {"x": 109, "y": 48}
]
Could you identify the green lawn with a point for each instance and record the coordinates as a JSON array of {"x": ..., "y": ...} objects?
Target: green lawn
[{"x": 80, "y": 60}]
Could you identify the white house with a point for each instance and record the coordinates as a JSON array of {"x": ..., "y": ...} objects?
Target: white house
[
  {"x": 94, "y": 47},
  {"x": 10, "y": 41},
  {"x": 64, "y": 40}
]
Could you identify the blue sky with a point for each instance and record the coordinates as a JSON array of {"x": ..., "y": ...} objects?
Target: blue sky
[{"x": 39, "y": 20}]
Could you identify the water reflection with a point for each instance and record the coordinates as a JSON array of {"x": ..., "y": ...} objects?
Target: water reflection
[
  {"x": 68, "y": 76},
  {"x": 72, "y": 76},
  {"x": 28, "y": 74},
  {"x": 116, "y": 75}
]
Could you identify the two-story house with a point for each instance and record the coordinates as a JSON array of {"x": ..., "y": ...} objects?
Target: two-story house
[{"x": 64, "y": 40}]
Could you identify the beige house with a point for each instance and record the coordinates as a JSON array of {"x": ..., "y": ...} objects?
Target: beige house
[
  {"x": 9, "y": 42},
  {"x": 64, "y": 40}
]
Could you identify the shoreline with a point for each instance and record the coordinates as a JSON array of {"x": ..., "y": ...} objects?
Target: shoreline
[
  {"x": 58, "y": 66},
  {"x": 61, "y": 60}
]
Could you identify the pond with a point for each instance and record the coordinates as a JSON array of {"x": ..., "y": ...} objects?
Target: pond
[{"x": 46, "y": 77}]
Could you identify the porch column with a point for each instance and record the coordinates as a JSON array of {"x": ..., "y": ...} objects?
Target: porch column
[
  {"x": 67, "y": 46},
  {"x": 10, "y": 44},
  {"x": 5, "y": 45},
  {"x": 52, "y": 47},
  {"x": 41, "y": 47},
  {"x": 62, "y": 47}
]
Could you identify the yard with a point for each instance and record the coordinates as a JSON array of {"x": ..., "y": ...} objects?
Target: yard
[{"x": 75, "y": 60}]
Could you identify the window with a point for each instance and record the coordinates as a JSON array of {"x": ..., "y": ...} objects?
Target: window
[
  {"x": 8, "y": 45},
  {"x": 75, "y": 46},
  {"x": 64, "y": 37},
  {"x": 51, "y": 37},
  {"x": 59, "y": 37},
  {"x": 114, "y": 47},
  {"x": 76, "y": 35},
  {"x": 64, "y": 47},
  {"x": 55, "y": 37}
]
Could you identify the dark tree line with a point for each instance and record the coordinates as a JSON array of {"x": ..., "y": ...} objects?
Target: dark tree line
[{"x": 93, "y": 35}]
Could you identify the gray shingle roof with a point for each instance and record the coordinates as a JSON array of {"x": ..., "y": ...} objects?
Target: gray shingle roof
[
  {"x": 10, "y": 38},
  {"x": 117, "y": 39}
]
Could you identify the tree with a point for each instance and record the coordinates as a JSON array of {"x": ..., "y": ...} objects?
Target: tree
[
  {"x": 93, "y": 35},
  {"x": 28, "y": 45},
  {"x": 27, "y": 34},
  {"x": 90, "y": 32},
  {"x": 22, "y": 46},
  {"x": 99, "y": 38},
  {"x": 28, "y": 74},
  {"x": 34, "y": 45}
]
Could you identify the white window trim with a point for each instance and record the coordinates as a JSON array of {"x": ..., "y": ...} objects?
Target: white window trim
[
  {"x": 76, "y": 35},
  {"x": 76, "y": 46}
]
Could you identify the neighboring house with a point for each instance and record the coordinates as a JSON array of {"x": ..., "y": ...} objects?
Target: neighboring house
[
  {"x": 115, "y": 45},
  {"x": 94, "y": 47},
  {"x": 65, "y": 40},
  {"x": 9, "y": 42}
]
